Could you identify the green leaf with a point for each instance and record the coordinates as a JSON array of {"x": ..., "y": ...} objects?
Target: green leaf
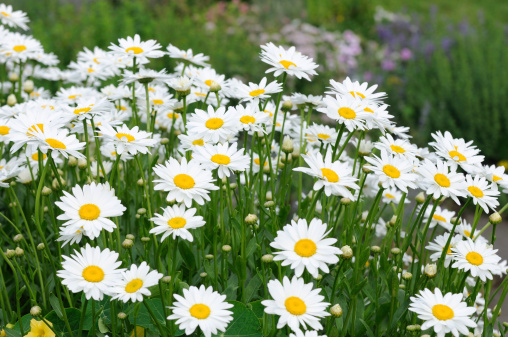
[
  {"x": 26, "y": 323},
  {"x": 12, "y": 333},
  {"x": 73, "y": 317},
  {"x": 145, "y": 320},
  {"x": 367, "y": 328},
  {"x": 253, "y": 287},
  {"x": 56, "y": 305},
  {"x": 257, "y": 308},
  {"x": 244, "y": 324}
]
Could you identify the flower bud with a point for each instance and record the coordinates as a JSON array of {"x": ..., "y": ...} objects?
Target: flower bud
[
  {"x": 269, "y": 195},
  {"x": 366, "y": 169},
  {"x": 269, "y": 204},
  {"x": 138, "y": 216},
  {"x": 296, "y": 152},
  {"x": 209, "y": 256},
  {"x": 319, "y": 277},
  {"x": 18, "y": 238},
  {"x": 166, "y": 279},
  {"x": 122, "y": 316},
  {"x": 226, "y": 248},
  {"x": 56, "y": 183},
  {"x": 35, "y": 311},
  {"x": 11, "y": 100},
  {"x": 287, "y": 105},
  {"x": 395, "y": 251},
  {"x": 41, "y": 246},
  {"x": 420, "y": 198},
  {"x": 345, "y": 201},
  {"x": 336, "y": 310},
  {"x": 203, "y": 274},
  {"x": 141, "y": 211},
  {"x": 393, "y": 221},
  {"x": 28, "y": 86},
  {"x": 267, "y": 258},
  {"x": 375, "y": 249},
  {"x": 145, "y": 239},
  {"x": 19, "y": 252},
  {"x": 251, "y": 219},
  {"x": 130, "y": 237},
  {"x": 10, "y": 253},
  {"x": 73, "y": 161},
  {"x": 10, "y": 326},
  {"x": 127, "y": 244},
  {"x": 233, "y": 186},
  {"x": 13, "y": 76},
  {"x": 407, "y": 276},
  {"x": 454, "y": 219},
  {"x": 140, "y": 182},
  {"x": 164, "y": 141},
  {"x": 430, "y": 270},
  {"x": 402, "y": 286},
  {"x": 347, "y": 252},
  {"x": 287, "y": 144},
  {"x": 365, "y": 214},
  {"x": 46, "y": 191},
  {"x": 82, "y": 164},
  {"x": 215, "y": 87},
  {"x": 495, "y": 218},
  {"x": 413, "y": 327}
]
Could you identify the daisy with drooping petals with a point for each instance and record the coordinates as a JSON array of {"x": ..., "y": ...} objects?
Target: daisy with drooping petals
[
  {"x": 250, "y": 118},
  {"x": 477, "y": 257},
  {"x": 439, "y": 244},
  {"x": 440, "y": 179},
  {"x": 185, "y": 181},
  {"x": 187, "y": 56},
  {"x": 134, "y": 47},
  {"x": 201, "y": 307},
  {"x": 287, "y": 61},
  {"x": 13, "y": 18},
  {"x": 128, "y": 140},
  {"x": 176, "y": 221},
  {"x": 482, "y": 193},
  {"x": 296, "y": 303},
  {"x": 306, "y": 247},
  {"x": 335, "y": 176},
  {"x": 89, "y": 208},
  {"x": 345, "y": 110},
  {"x": 255, "y": 91},
  {"x": 223, "y": 157},
  {"x": 392, "y": 172},
  {"x": 135, "y": 283},
  {"x": 91, "y": 271},
  {"x": 441, "y": 216},
  {"x": 445, "y": 314},
  {"x": 357, "y": 90},
  {"x": 213, "y": 125}
]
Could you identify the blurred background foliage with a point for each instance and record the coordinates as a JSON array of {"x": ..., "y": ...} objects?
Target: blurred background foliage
[{"x": 443, "y": 63}]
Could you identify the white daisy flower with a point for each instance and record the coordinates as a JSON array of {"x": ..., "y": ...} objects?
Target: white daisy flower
[
  {"x": 13, "y": 18},
  {"x": 393, "y": 195},
  {"x": 89, "y": 207},
  {"x": 213, "y": 125},
  {"x": 345, "y": 110},
  {"x": 59, "y": 142},
  {"x": 185, "y": 181},
  {"x": 357, "y": 90},
  {"x": 457, "y": 151},
  {"x": 70, "y": 235},
  {"x": 306, "y": 247},
  {"x": 176, "y": 221},
  {"x": 250, "y": 118},
  {"x": 91, "y": 271},
  {"x": 392, "y": 171},
  {"x": 201, "y": 307},
  {"x": 477, "y": 257},
  {"x": 378, "y": 117},
  {"x": 135, "y": 282},
  {"x": 296, "y": 303},
  {"x": 180, "y": 84},
  {"x": 145, "y": 75},
  {"x": 495, "y": 174},
  {"x": 133, "y": 140},
  {"x": 223, "y": 157},
  {"x": 438, "y": 245},
  {"x": 441, "y": 216},
  {"x": 397, "y": 147},
  {"x": 255, "y": 91},
  {"x": 9, "y": 169},
  {"x": 187, "y": 56},
  {"x": 335, "y": 176},
  {"x": 134, "y": 47},
  {"x": 301, "y": 99},
  {"x": 464, "y": 229},
  {"x": 287, "y": 61},
  {"x": 440, "y": 179},
  {"x": 445, "y": 314},
  {"x": 321, "y": 134},
  {"x": 19, "y": 47},
  {"x": 190, "y": 142},
  {"x": 482, "y": 192}
]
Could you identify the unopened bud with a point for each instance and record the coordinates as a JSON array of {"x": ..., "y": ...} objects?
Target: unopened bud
[
  {"x": 141, "y": 211},
  {"x": 73, "y": 161},
  {"x": 46, "y": 191},
  {"x": 164, "y": 141},
  {"x": 18, "y": 238},
  {"x": 407, "y": 276},
  {"x": 413, "y": 327},
  {"x": 140, "y": 182},
  {"x": 10, "y": 253},
  {"x": 395, "y": 251},
  {"x": 209, "y": 256},
  {"x": 251, "y": 219},
  {"x": 127, "y": 244},
  {"x": 56, "y": 183},
  {"x": 375, "y": 249},
  {"x": 267, "y": 258},
  {"x": 366, "y": 169},
  {"x": 233, "y": 186},
  {"x": 145, "y": 239},
  {"x": 347, "y": 252},
  {"x": 130, "y": 237},
  {"x": 11, "y": 100},
  {"x": 138, "y": 216},
  {"x": 203, "y": 274},
  {"x": 393, "y": 221},
  {"x": 495, "y": 218},
  {"x": 215, "y": 87},
  {"x": 287, "y": 105},
  {"x": 226, "y": 248},
  {"x": 13, "y": 76},
  {"x": 345, "y": 201},
  {"x": 402, "y": 286},
  {"x": 269, "y": 195},
  {"x": 122, "y": 316},
  {"x": 19, "y": 252},
  {"x": 269, "y": 204},
  {"x": 364, "y": 216},
  {"x": 287, "y": 144},
  {"x": 420, "y": 198},
  {"x": 296, "y": 152},
  {"x": 430, "y": 270},
  {"x": 336, "y": 310},
  {"x": 35, "y": 311},
  {"x": 41, "y": 246},
  {"x": 166, "y": 279},
  {"x": 28, "y": 86},
  {"x": 319, "y": 277}
]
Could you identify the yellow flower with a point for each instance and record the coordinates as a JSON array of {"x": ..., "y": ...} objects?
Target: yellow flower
[
  {"x": 140, "y": 332},
  {"x": 40, "y": 329},
  {"x": 2, "y": 333}
]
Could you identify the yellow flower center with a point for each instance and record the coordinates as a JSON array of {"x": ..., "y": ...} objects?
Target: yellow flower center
[
  {"x": 82, "y": 110},
  {"x": 157, "y": 101},
  {"x": 19, "y": 48},
  {"x": 4, "y": 130},
  {"x": 214, "y": 123},
  {"x": 474, "y": 258},
  {"x": 89, "y": 212},
  {"x": 248, "y": 120},
  {"x": 295, "y": 306},
  {"x": 354, "y": 93},
  {"x": 177, "y": 222},
  {"x": 200, "y": 94},
  {"x": 209, "y": 82},
  {"x": 449, "y": 251},
  {"x": 91, "y": 70},
  {"x": 35, "y": 128},
  {"x": 5, "y": 14},
  {"x": 257, "y": 161},
  {"x": 442, "y": 180},
  {"x": 125, "y": 136},
  {"x": 323, "y": 136},
  {"x": 56, "y": 144},
  {"x": 93, "y": 274},
  {"x": 200, "y": 311},
  {"x": 330, "y": 175},
  {"x": 35, "y": 156},
  {"x": 305, "y": 248},
  {"x": 475, "y": 191},
  {"x": 199, "y": 142},
  {"x": 455, "y": 154},
  {"x": 369, "y": 110},
  {"x": 347, "y": 113},
  {"x": 257, "y": 92},
  {"x": 287, "y": 64},
  {"x": 495, "y": 178},
  {"x": 438, "y": 218},
  {"x": 221, "y": 159},
  {"x": 135, "y": 50},
  {"x": 442, "y": 312},
  {"x": 398, "y": 149},
  {"x": 468, "y": 234},
  {"x": 268, "y": 112},
  {"x": 133, "y": 286},
  {"x": 389, "y": 196},
  {"x": 173, "y": 115},
  {"x": 391, "y": 171},
  {"x": 184, "y": 181}
]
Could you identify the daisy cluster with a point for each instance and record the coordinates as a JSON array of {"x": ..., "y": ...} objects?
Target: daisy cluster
[{"x": 255, "y": 208}]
